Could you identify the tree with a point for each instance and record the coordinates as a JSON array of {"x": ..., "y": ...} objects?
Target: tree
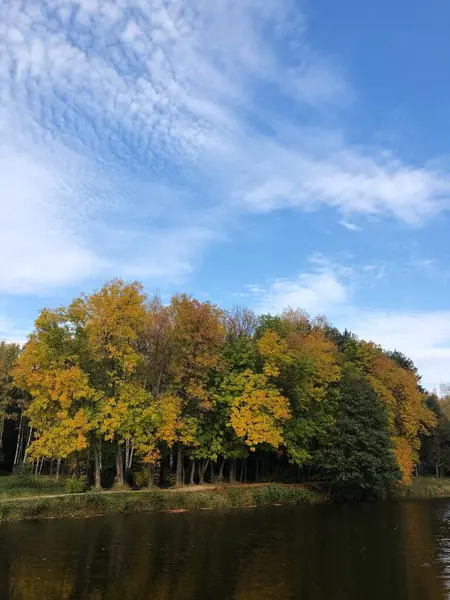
[
  {"x": 258, "y": 410},
  {"x": 8, "y": 393},
  {"x": 199, "y": 334},
  {"x": 302, "y": 361},
  {"x": 112, "y": 319},
  {"x": 358, "y": 459},
  {"x": 60, "y": 410}
]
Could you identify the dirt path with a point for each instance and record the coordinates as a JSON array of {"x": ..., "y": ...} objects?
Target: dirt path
[{"x": 183, "y": 489}]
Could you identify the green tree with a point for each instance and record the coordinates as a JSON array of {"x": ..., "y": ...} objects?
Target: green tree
[{"x": 358, "y": 459}]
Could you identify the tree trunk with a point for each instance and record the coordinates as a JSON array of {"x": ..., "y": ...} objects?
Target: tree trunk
[
  {"x": 179, "y": 470},
  {"x": 277, "y": 466},
  {"x": 200, "y": 472},
  {"x": 241, "y": 475},
  {"x": 58, "y": 466},
  {"x": 222, "y": 464},
  {"x": 97, "y": 467},
  {"x": 211, "y": 472},
  {"x": 151, "y": 475},
  {"x": 130, "y": 462},
  {"x": 192, "y": 475},
  {"x": 257, "y": 469},
  {"x": 437, "y": 470},
  {"x": 77, "y": 466},
  {"x": 30, "y": 433},
  {"x": 119, "y": 465},
  {"x": 127, "y": 459},
  {"x": 233, "y": 470},
  {"x": 18, "y": 445},
  {"x": 202, "y": 466}
]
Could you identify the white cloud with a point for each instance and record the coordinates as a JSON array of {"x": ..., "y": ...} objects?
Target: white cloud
[
  {"x": 314, "y": 293},
  {"x": 350, "y": 179},
  {"x": 349, "y": 225},
  {"x": 422, "y": 335},
  {"x": 39, "y": 247},
  {"x": 99, "y": 94},
  {"x": 331, "y": 290}
]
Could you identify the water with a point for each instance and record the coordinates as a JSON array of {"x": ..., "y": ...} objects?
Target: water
[{"x": 398, "y": 551}]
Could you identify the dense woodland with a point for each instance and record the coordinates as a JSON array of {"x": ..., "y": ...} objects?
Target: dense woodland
[{"x": 120, "y": 388}]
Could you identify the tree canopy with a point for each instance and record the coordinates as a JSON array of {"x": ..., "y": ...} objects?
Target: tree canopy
[{"x": 120, "y": 381}]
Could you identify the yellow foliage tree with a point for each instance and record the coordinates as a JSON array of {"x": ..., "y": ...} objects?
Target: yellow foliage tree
[{"x": 258, "y": 410}]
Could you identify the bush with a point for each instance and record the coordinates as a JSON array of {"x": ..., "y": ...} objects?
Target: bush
[
  {"x": 277, "y": 494},
  {"x": 75, "y": 486},
  {"x": 140, "y": 478}
]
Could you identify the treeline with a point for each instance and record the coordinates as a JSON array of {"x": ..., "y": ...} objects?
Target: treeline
[{"x": 119, "y": 385}]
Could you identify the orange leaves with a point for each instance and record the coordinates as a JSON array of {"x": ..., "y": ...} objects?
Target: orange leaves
[
  {"x": 199, "y": 334},
  {"x": 259, "y": 412},
  {"x": 399, "y": 390},
  {"x": 404, "y": 455}
]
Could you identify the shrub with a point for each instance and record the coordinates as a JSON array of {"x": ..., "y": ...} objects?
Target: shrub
[
  {"x": 75, "y": 486},
  {"x": 140, "y": 478},
  {"x": 277, "y": 494}
]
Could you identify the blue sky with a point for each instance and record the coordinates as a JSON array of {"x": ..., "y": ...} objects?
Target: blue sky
[{"x": 264, "y": 153}]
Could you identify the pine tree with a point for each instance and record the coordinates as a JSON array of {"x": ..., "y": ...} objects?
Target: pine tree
[{"x": 358, "y": 459}]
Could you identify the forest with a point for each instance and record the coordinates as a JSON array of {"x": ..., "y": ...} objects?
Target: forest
[{"x": 120, "y": 389}]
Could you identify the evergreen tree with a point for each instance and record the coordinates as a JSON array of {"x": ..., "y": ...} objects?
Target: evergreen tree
[{"x": 358, "y": 460}]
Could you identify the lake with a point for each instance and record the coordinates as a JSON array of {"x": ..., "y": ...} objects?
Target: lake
[{"x": 382, "y": 551}]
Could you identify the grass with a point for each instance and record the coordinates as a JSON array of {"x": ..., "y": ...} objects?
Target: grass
[
  {"x": 425, "y": 487},
  {"x": 99, "y": 503},
  {"x": 15, "y": 486}
]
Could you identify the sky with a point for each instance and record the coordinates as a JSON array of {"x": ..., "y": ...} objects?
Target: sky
[{"x": 262, "y": 153}]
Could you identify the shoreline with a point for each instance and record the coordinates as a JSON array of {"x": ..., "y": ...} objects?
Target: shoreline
[{"x": 105, "y": 503}]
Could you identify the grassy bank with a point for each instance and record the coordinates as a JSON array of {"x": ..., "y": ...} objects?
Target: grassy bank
[
  {"x": 16, "y": 486},
  {"x": 112, "y": 503},
  {"x": 426, "y": 487}
]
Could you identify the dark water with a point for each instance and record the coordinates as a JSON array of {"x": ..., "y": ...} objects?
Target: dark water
[{"x": 382, "y": 551}]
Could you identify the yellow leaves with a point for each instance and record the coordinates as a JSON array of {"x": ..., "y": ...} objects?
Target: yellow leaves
[
  {"x": 274, "y": 349},
  {"x": 112, "y": 318},
  {"x": 63, "y": 436},
  {"x": 322, "y": 353},
  {"x": 306, "y": 346},
  {"x": 259, "y": 412},
  {"x": 170, "y": 407}
]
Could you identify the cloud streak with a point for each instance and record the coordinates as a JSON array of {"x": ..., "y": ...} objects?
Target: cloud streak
[
  {"x": 145, "y": 127},
  {"x": 332, "y": 289}
]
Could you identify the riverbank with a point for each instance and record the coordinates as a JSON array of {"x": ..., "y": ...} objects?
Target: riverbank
[
  {"x": 425, "y": 487},
  {"x": 90, "y": 504}
]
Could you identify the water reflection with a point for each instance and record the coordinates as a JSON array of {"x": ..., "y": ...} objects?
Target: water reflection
[{"x": 380, "y": 551}]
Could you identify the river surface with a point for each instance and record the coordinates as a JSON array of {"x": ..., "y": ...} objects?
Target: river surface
[{"x": 382, "y": 551}]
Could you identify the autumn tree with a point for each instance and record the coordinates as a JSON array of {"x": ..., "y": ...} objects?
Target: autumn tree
[
  {"x": 303, "y": 361},
  {"x": 59, "y": 411},
  {"x": 112, "y": 319},
  {"x": 399, "y": 388},
  {"x": 198, "y": 334}
]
